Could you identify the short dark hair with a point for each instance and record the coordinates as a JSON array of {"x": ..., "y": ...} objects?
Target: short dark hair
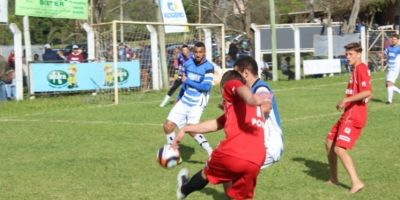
[
  {"x": 355, "y": 46},
  {"x": 199, "y": 44},
  {"x": 231, "y": 75},
  {"x": 247, "y": 62},
  {"x": 395, "y": 35},
  {"x": 185, "y": 46}
]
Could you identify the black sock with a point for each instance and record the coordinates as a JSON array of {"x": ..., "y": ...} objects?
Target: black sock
[{"x": 197, "y": 182}]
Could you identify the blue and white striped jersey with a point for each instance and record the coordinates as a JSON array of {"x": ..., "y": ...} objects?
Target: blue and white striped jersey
[
  {"x": 391, "y": 52},
  {"x": 195, "y": 90}
]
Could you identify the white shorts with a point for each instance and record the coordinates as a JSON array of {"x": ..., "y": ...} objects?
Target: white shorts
[
  {"x": 392, "y": 75},
  {"x": 182, "y": 114},
  {"x": 273, "y": 144}
]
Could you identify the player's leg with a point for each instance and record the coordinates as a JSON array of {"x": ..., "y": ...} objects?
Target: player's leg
[
  {"x": 194, "y": 118},
  {"x": 176, "y": 118},
  {"x": 347, "y": 136},
  {"x": 391, "y": 88},
  {"x": 348, "y": 164},
  {"x": 331, "y": 155},
  {"x": 171, "y": 91},
  {"x": 332, "y": 161}
]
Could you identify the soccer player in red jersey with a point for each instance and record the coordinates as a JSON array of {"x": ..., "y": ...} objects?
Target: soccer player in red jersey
[
  {"x": 347, "y": 129},
  {"x": 238, "y": 158}
]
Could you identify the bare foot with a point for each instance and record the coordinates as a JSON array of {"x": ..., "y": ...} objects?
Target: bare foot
[
  {"x": 357, "y": 187},
  {"x": 334, "y": 182}
]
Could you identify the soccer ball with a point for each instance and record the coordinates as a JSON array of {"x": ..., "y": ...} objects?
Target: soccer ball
[{"x": 167, "y": 157}]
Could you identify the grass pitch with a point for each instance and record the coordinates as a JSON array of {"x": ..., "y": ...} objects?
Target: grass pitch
[{"x": 64, "y": 147}]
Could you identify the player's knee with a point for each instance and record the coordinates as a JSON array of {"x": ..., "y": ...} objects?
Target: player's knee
[
  {"x": 168, "y": 126},
  {"x": 339, "y": 150}
]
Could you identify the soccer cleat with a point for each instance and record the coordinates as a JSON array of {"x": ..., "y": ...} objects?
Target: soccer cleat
[
  {"x": 182, "y": 178},
  {"x": 388, "y": 102}
]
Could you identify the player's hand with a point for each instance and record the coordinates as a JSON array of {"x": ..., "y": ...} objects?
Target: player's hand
[
  {"x": 221, "y": 105},
  {"x": 183, "y": 78},
  {"x": 340, "y": 105},
  {"x": 175, "y": 144}
]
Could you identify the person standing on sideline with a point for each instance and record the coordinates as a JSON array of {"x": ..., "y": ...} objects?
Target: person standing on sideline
[
  {"x": 347, "y": 129},
  {"x": 392, "y": 53},
  {"x": 76, "y": 55},
  {"x": 184, "y": 56},
  {"x": 273, "y": 133},
  {"x": 193, "y": 97},
  {"x": 237, "y": 160}
]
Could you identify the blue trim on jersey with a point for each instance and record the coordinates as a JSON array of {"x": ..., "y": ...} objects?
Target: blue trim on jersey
[{"x": 259, "y": 83}]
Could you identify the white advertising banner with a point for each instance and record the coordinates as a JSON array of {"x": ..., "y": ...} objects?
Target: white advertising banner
[
  {"x": 322, "y": 66},
  {"x": 173, "y": 12},
  {"x": 4, "y": 11}
]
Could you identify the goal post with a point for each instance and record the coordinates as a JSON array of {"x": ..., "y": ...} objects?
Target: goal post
[{"x": 135, "y": 53}]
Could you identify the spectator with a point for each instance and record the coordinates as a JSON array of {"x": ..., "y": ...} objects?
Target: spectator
[
  {"x": 36, "y": 57},
  {"x": 233, "y": 50},
  {"x": 50, "y": 55},
  {"x": 11, "y": 60},
  {"x": 3, "y": 68},
  {"x": 145, "y": 65},
  {"x": 285, "y": 61},
  {"x": 122, "y": 52},
  {"x": 76, "y": 55},
  {"x": 229, "y": 62}
]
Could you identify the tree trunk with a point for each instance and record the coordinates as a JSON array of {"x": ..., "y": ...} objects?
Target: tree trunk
[{"x": 353, "y": 17}]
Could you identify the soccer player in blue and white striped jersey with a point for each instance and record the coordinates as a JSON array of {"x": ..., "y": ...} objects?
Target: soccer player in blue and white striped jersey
[
  {"x": 392, "y": 54},
  {"x": 193, "y": 98}
]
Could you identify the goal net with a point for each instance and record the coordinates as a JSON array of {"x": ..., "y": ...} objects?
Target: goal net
[{"x": 141, "y": 56}]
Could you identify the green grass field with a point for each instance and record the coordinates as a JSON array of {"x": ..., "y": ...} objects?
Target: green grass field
[{"x": 63, "y": 147}]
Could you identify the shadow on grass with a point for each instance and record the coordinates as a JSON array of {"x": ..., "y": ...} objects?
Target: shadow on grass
[
  {"x": 213, "y": 193},
  {"x": 317, "y": 169},
  {"x": 377, "y": 100},
  {"x": 186, "y": 153}
]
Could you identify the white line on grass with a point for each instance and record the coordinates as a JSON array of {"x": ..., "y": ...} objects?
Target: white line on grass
[
  {"x": 78, "y": 122},
  {"x": 321, "y": 116}
]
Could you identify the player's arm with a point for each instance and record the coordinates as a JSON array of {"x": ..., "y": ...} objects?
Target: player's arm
[
  {"x": 203, "y": 127},
  {"x": 205, "y": 85},
  {"x": 366, "y": 94},
  {"x": 253, "y": 99},
  {"x": 264, "y": 92}
]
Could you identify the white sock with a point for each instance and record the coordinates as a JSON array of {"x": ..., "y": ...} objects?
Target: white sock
[
  {"x": 203, "y": 143},
  {"x": 390, "y": 93},
  {"x": 164, "y": 101},
  {"x": 170, "y": 137}
]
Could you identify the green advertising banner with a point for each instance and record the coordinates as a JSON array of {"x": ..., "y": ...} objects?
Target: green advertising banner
[{"x": 70, "y": 9}]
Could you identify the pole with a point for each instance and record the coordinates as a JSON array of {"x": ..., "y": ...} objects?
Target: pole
[
  {"x": 273, "y": 40},
  {"x": 91, "y": 13},
  {"x": 121, "y": 18},
  {"x": 199, "y": 10},
  {"x": 163, "y": 56}
]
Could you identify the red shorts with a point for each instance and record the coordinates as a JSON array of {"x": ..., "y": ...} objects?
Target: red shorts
[
  {"x": 241, "y": 173},
  {"x": 344, "y": 134}
]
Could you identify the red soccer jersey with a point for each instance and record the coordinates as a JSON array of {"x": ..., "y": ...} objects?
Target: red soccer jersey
[
  {"x": 356, "y": 112},
  {"x": 243, "y": 125},
  {"x": 75, "y": 58}
]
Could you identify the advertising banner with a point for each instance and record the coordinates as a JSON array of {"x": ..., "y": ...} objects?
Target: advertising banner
[
  {"x": 68, "y": 77},
  {"x": 173, "y": 12},
  {"x": 322, "y": 66},
  {"x": 4, "y": 11},
  {"x": 69, "y": 9}
]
